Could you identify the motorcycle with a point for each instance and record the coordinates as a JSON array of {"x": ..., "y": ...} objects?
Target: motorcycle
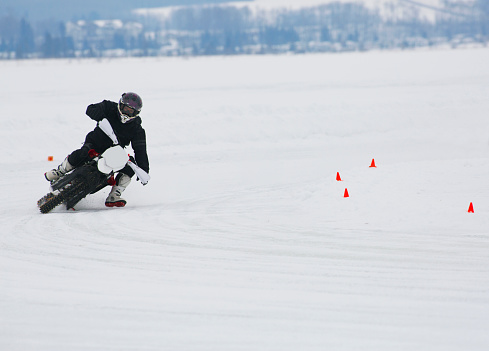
[
  {"x": 87, "y": 179},
  {"x": 91, "y": 177}
]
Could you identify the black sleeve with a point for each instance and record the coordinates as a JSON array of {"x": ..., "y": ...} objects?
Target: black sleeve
[
  {"x": 139, "y": 147},
  {"x": 98, "y": 111}
]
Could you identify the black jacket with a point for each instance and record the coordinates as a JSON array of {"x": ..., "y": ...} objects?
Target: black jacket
[{"x": 127, "y": 133}]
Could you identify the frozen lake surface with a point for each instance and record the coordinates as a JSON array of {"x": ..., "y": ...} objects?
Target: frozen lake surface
[{"x": 243, "y": 240}]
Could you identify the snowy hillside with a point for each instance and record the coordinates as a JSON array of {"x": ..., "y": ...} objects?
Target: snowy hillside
[
  {"x": 243, "y": 239},
  {"x": 368, "y": 3},
  {"x": 425, "y": 8}
]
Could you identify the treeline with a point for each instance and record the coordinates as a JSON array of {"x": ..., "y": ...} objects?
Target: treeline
[{"x": 228, "y": 30}]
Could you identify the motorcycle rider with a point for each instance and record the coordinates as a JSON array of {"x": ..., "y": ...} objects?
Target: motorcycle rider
[{"x": 126, "y": 124}]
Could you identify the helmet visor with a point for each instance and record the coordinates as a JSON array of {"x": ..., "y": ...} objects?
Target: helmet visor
[{"x": 128, "y": 111}]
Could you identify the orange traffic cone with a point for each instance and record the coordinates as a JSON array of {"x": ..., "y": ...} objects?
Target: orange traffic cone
[
  {"x": 372, "y": 164},
  {"x": 338, "y": 178},
  {"x": 346, "y": 193},
  {"x": 471, "y": 208}
]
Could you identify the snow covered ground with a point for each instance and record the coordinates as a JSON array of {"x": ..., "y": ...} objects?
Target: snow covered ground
[{"x": 243, "y": 240}]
